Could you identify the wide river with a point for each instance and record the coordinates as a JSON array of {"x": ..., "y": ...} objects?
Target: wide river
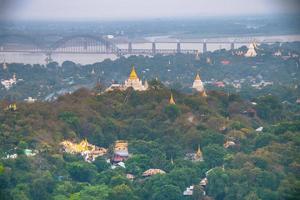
[{"x": 39, "y": 58}]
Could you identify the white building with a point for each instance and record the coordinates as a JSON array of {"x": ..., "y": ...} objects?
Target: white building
[
  {"x": 133, "y": 81},
  {"x": 251, "y": 50},
  {"x": 30, "y": 100},
  {"x": 198, "y": 86},
  {"x": 9, "y": 82}
]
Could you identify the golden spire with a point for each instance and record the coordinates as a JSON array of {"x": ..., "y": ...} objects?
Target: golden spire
[
  {"x": 199, "y": 152},
  {"x": 172, "y": 101},
  {"x": 133, "y": 74},
  {"x": 197, "y": 77}
]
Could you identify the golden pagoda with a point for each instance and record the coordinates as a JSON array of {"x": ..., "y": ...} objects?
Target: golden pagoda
[
  {"x": 133, "y": 81},
  {"x": 198, "y": 86},
  {"x": 133, "y": 74},
  {"x": 172, "y": 101},
  {"x": 199, "y": 155}
]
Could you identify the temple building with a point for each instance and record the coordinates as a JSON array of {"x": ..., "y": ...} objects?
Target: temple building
[
  {"x": 89, "y": 151},
  {"x": 9, "y": 82},
  {"x": 11, "y": 107},
  {"x": 199, "y": 156},
  {"x": 251, "y": 50},
  {"x": 172, "y": 101},
  {"x": 133, "y": 81},
  {"x": 151, "y": 172},
  {"x": 120, "y": 151},
  {"x": 198, "y": 86},
  {"x": 195, "y": 157}
]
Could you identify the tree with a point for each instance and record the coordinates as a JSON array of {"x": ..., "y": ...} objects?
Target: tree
[
  {"x": 101, "y": 164},
  {"x": 218, "y": 182},
  {"x": 198, "y": 192},
  {"x": 172, "y": 111},
  {"x": 214, "y": 155},
  {"x": 82, "y": 171},
  {"x": 98, "y": 192},
  {"x": 42, "y": 187},
  {"x": 122, "y": 192},
  {"x": 1, "y": 169},
  {"x": 167, "y": 192}
]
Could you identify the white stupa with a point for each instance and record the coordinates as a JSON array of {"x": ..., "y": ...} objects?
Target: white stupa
[
  {"x": 251, "y": 50},
  {"x": 198, "y": 86},
  {"x": 4, "y": 65}
]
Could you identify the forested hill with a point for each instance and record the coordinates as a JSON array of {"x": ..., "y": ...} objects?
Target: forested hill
[{"x": 261, "y": 165}]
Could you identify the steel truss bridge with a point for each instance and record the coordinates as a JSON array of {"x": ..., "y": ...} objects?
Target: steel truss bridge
[{"x": 89, "y": 44}]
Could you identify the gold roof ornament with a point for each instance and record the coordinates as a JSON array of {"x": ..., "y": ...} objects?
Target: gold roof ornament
[
  {"x": 133, "y": 74},
  {"x": 11, "y": 107},
  {"x": 197, "y": 77},
  {"x": 199, "y": 153},
  {"x": 172, "y": 101}
]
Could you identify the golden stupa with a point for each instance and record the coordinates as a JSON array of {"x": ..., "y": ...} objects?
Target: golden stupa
[
  {"x": 133, "y": 74},
  {"x": 172, "y": 101}
]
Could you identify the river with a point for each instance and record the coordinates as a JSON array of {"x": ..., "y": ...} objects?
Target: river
[{"x": 39, "y": 58}]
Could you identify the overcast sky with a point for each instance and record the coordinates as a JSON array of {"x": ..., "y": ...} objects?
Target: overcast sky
[{"x": 139, "y": 9}]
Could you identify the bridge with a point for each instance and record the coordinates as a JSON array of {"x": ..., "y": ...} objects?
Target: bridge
[{"x": 90, "y": 44}]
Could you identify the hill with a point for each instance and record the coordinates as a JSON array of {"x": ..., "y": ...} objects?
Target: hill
[{"x": 240, "y": 161}]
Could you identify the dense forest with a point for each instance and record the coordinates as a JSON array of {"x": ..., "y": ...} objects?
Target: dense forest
[{"x": 263, "y": 163}]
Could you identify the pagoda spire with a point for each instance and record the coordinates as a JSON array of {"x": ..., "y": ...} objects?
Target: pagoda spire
[
  {"x": 172, "y": 101},
  {"x": 197, "y": 77},
  {"x": 4, "y": 65},
  {"x": 133, "y": 74},
  {"x": 199, "y": 153}
]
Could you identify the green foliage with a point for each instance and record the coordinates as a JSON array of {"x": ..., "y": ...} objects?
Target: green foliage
[
  {"x": 101, "y": 164},
  {"x": 82, "y": 171},
  {"x": 71, "y": 119},
  {"x": 98, "y": 192},
  {"x": 167, "y": 192},
  {"x": 214, "y": 155},
  {"x": 261, "y": 165},
  {"x": 122, "y": 192},
  {"x": 172, "y": 111},
  {"x": 1, "y": 168}
]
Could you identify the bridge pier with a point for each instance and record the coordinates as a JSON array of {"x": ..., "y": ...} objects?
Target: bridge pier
[
  {"x": 107, "y": 47},
  {"x": 178, "y": 47},
  {"x": 232, "y": 46},
  {"x": 48, "y": 58},
  {"x": 204, "y": 47},
  {"x": 130, "y": 47},
  {"x": 153, "y": 48}
]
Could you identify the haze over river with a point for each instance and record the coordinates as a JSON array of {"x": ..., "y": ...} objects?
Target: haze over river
[{"x": 39, "y": 58}]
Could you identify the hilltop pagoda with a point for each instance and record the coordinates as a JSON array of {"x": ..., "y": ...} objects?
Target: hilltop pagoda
[
  {"x": 133, "y": 81},
  {"x": 198, "y": 86},
  {"x": 251, "y": 50}
]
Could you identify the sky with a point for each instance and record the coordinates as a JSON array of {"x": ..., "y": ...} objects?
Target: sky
[{"x": 139, "y": 9}]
